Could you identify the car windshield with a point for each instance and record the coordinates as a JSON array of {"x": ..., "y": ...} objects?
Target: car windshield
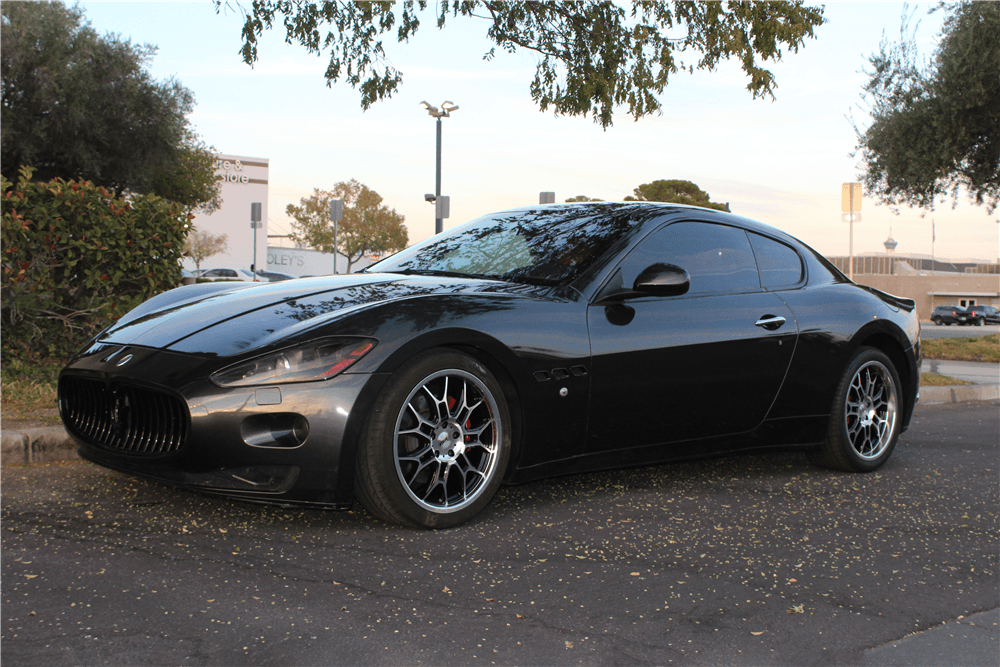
[{"x": 542, "y": 246}]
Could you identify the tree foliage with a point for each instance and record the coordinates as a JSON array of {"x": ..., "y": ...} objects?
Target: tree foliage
[
  {"x": 677, "y": 192},
  {"x": 581, "y": 198},
  {"x": 592, "y": 56},
  {"x": 77, "y": 105},
  {"x": 201, "y": 244},
  {"x": 76, "y": 258},
  {"x": 935, "y": 127},
  {"x": 367, "y": 227}
]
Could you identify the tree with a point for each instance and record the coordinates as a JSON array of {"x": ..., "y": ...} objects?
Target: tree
[
  {"x": 200, "y": 245},
  {"x": 593, "y": 56},
  {"x": 677, "y": 192},
  {"x": 76, "y": 258},
  {"x": 80, "y": 106},
  {"x": 581, "y": 198},
  {"x": 367, "y": 226},
  {"x": 935, "y": 127}
]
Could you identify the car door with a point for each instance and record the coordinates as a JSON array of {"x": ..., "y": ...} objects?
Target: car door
[{"x": 682, "y": 368}]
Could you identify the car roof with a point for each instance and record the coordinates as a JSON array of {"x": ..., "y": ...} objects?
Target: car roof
[{"x": 650, "y": 209}]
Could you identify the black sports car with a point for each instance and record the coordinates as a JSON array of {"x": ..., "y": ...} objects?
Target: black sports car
[{"x": 529, "y": 343}]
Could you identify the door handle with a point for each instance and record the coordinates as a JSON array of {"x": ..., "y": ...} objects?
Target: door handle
[{"x": 770, "y": 322}]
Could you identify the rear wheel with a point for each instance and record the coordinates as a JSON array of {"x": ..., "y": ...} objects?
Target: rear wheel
[
  {"x": 865, "y": 418},
  {"x": 437, "y": 442}
]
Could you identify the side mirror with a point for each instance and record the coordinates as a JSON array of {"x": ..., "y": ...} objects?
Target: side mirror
[{"x": 662, "y": 280}]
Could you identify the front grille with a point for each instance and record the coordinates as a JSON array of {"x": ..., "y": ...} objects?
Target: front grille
[{"x": 123, "y": 418}]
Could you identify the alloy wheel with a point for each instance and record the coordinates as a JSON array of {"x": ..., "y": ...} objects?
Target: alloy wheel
[
  {"x": 870, "y": 410},
  {"x": 446, "y": 441}
]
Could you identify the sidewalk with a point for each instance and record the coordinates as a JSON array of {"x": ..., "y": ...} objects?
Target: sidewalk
[
  {"x": 985, "y": 376},
  {"x": 970, "y": 371},
  {"x": 971, "y": 641}
]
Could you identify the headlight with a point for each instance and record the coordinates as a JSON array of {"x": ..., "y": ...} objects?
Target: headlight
[{"x": 316, "y": 360}]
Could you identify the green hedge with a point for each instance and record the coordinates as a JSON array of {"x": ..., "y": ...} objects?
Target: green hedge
[{"x": 75, "y": 258}]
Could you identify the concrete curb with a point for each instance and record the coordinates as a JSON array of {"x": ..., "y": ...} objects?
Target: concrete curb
[
  {"x": 37, "y": 445},
  {"x": 960, "y": 393}
]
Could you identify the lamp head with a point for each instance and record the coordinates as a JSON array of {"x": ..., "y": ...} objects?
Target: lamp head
[
  {"x": 432, "y": 110},
  {"x": 443, "y": 112}
]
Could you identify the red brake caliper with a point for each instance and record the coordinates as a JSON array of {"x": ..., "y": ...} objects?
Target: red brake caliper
[{"x": 468, "y": 422}]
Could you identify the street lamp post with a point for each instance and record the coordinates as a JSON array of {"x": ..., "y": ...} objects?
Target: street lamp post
[
  {"x": 850, "y": 204},
  {"x": 256, "y": 224},
  {"x": 443, "y": 112}
]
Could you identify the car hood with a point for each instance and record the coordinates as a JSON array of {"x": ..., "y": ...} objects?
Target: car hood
[{"x": 241, "y": 318}]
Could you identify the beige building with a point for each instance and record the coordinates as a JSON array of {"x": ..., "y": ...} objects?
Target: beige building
[
  {"x": 928, "y": 281},
  {"x": 244, "y": 182}
]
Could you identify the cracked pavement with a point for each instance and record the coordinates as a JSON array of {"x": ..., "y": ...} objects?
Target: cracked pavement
[{"x": 747, "y": 560}]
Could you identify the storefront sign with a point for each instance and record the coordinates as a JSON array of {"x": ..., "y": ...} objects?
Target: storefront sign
[{"x": 231, "y": 171}]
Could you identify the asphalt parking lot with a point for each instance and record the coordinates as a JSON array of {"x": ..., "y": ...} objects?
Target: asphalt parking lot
[{"x": 749, "y": 560}]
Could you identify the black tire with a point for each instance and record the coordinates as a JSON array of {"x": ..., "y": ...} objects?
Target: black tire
[
  {"x": 865, "y": 417},
  {"x": 437, "y": 442},
  {"x": 936, "y": 320},
  {"x": 980, "y": 322}
]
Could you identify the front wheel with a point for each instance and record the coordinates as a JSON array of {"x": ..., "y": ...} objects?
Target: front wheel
[
  {"x": 866, "y": 413},
  {"x": 980, "y": 322},
  {"x": 437, "y": 442},
  {"x": 937, "y": 321}
]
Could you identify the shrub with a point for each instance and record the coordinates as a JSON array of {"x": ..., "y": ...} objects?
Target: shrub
[{"x": 75, "y": 258}]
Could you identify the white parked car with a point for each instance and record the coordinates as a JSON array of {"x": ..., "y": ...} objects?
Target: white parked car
[
  {"x": 275, "y": 276},
  {"x": 230, "y": 274}
]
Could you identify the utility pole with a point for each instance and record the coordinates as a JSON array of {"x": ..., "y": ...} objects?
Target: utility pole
[
  {"x": 336, "y": 215},
  {"x": 255, "y": 222},
  {"x": 850, "y": 206},
  {"x": 434, "y": 112}
]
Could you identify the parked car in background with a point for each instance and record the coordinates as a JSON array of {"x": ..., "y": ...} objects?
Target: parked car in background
[
  {"x": 950, "y": 315},
  {"x": 230, "y": 274},
  {"x": 985, "y": 315},
  {"x": 275, "y": 276}
]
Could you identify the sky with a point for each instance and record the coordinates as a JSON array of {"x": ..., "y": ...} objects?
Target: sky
[{"x": 778, "y": 161}]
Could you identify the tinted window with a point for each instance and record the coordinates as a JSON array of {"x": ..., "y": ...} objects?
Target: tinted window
[
  {"x": 779, "y": 265},
  {"x": 718, "y": 258}
]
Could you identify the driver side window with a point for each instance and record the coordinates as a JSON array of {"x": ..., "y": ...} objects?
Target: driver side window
[{"x": 718, "y": 258}]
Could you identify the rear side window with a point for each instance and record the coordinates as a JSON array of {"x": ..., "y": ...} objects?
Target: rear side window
[
  {"x": 779, "y": 265},
  {"x": 718, "y": 258}
]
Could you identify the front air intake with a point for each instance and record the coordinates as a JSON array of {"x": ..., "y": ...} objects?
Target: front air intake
[{"x": 123, "y": 418}]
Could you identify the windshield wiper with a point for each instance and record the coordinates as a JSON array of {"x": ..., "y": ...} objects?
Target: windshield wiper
[
  {"x": 533, "y": 280},
  {"x": 522, "y": 279},
  {"x": 439, "y": 272}
]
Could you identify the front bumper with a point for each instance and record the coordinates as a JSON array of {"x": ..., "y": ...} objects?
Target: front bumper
[{"x": 281, "y": 444}]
